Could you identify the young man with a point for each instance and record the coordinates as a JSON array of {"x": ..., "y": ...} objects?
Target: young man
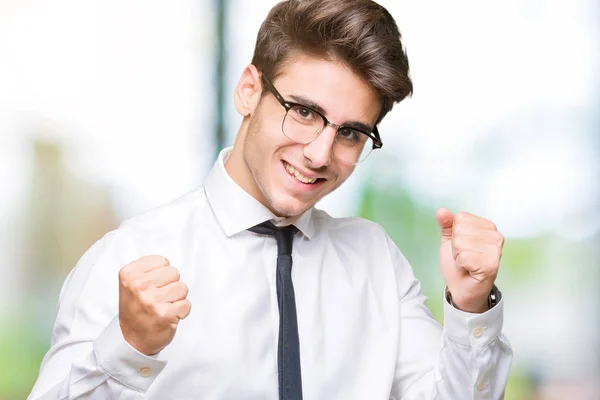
[{"x": 348, "y": 321}]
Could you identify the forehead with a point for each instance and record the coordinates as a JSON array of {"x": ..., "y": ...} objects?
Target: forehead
[{"x": 332, "y": 85}]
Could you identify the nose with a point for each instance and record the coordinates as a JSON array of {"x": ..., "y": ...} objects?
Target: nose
[{"x": 319, "y": 150}]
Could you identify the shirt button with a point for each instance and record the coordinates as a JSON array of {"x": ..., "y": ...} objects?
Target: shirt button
[
  {"x": 478, "y": 331},
  {"x": 481, "y": 386},
  {"x": 145, "y": 372}
]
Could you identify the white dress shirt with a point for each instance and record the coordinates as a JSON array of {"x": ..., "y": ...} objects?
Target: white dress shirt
[{"x": 364, "y": 330}]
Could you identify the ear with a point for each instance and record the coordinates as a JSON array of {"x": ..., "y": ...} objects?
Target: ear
[{"x": 248, "y": 91}]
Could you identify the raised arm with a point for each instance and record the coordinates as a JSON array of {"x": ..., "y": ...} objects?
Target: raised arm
[
  {"x": 468, "y": 358},
  {"x": 111, "y": 323}
]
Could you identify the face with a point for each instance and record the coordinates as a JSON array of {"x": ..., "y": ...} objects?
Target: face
[{"x": 287, "y": 177}]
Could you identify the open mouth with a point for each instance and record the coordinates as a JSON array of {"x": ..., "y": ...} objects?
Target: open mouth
[{"x": 299, "y": 176}]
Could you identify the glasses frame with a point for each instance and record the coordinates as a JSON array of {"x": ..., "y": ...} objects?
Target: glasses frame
[{"x": 374, "y": 134}]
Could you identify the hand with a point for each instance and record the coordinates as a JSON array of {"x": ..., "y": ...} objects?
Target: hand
[
  {"x": 152, "y": 301},
  {"x": 470, "y": 252}
]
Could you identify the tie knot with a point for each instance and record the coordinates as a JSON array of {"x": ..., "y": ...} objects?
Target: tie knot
[{"x": 284, "y": 236}]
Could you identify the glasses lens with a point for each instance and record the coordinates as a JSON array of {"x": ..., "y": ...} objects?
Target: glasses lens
[
  {"x": 302, "y": 125},
  {"x": 352, "y": 146}
]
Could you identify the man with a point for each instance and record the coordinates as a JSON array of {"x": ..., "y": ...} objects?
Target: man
[{"x": 348, "y": 321}]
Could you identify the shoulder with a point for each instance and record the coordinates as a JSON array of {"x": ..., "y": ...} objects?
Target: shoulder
[
  {"x": 162, "y": 220},
  {"x": 163, "y": 228},
  {"x": 168, "y": 216},
  {"x": 365, "y": 246},
  {"x": 157, "y": 231},
  {"x": 353, "y": 229},
  {"x": 361, "y": 235}
]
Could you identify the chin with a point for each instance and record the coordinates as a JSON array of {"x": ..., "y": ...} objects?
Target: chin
[{"x": 288, "y": 208}]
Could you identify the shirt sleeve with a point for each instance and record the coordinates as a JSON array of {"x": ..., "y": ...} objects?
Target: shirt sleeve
[
  {"x": 469, "y": 358},
  {"x": 88, "y": 357}
]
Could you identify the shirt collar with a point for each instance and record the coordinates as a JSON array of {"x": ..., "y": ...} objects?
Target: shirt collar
[{"x": 236, "y": 210}]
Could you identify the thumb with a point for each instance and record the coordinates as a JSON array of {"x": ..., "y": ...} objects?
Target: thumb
[{"x": 445, "y": 220}]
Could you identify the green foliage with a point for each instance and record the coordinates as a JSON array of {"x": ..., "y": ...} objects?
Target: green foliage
[
  {"x": 519, "y": 386},
  {"x": 413, "y": 228},
  {"x": 22, "y": 354},
  {"x": 521, "y": 258}
]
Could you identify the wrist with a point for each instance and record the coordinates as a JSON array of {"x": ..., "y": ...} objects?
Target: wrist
[
  {"x": 135, "y": 340},
  {"x": 476, "y": 306},
  {"x": 121, "y": 361}
]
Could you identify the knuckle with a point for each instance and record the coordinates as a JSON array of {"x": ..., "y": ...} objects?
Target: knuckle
[
  {"x": 459, "y": 243},
  {"x": 188, "y": 306},
  {"x": 500, "y": 239},
  {"x": 154, "y": 260},
  {"x": 184, "y": 289},
  {"x": 131, "y": 281},
  {"x": 492, "y": 269},
  {"x": 457, "y": 228},
  {"x": 493, "y": 262},
  {"x": 146, "y": 299},
  {"x": 460, "y": 216},
  {"x": 144, "y": 260},
  {"x": 185, "y": 308},
  {"x": 463, "y": 259},
  {"x": 124, "y": 274},
  {"x": 161, "y": 313},
  {"x": 176, "y": 274},
  {"x": 160, "y": 260},
  {"x": 131, "y": 271},
  {"x": 139, "y": 285}
]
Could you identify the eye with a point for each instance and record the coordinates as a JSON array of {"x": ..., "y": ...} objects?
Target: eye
[
  {"x": 350, "y": 135},
  {"x": 304, "y": 113}
]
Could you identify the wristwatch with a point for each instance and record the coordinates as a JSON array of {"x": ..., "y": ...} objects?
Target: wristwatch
[{"x": 493, "y": 298}]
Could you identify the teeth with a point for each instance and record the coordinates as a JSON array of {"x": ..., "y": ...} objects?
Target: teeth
[{"x": 298, "y": 175}]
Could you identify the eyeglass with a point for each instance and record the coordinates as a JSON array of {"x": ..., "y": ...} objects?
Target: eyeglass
[{"x": 302, "y": 124}]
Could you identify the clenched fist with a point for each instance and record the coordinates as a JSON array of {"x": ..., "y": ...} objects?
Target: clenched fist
[
  {"x": 470, "y": 252},
  {"x": 152, "y": 301}
]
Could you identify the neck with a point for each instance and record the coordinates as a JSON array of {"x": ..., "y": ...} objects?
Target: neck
[{"x": 237, "y": 168}]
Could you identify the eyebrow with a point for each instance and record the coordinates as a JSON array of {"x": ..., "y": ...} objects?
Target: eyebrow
[{"x": 349, "y": 124}]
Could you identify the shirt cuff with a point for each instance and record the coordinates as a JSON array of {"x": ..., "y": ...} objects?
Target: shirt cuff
[
  {"x": 473, "y": 330},
  {"x": 121, "y": 361}
]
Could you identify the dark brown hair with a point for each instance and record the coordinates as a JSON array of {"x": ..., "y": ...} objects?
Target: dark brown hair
[{"x": 360, "y": 33}]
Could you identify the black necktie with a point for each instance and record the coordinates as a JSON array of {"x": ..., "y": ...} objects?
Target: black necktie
[{"x": 288, "y": 348}]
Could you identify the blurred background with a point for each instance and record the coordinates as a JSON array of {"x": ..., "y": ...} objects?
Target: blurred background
[{"x": 109, "y": 108}]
